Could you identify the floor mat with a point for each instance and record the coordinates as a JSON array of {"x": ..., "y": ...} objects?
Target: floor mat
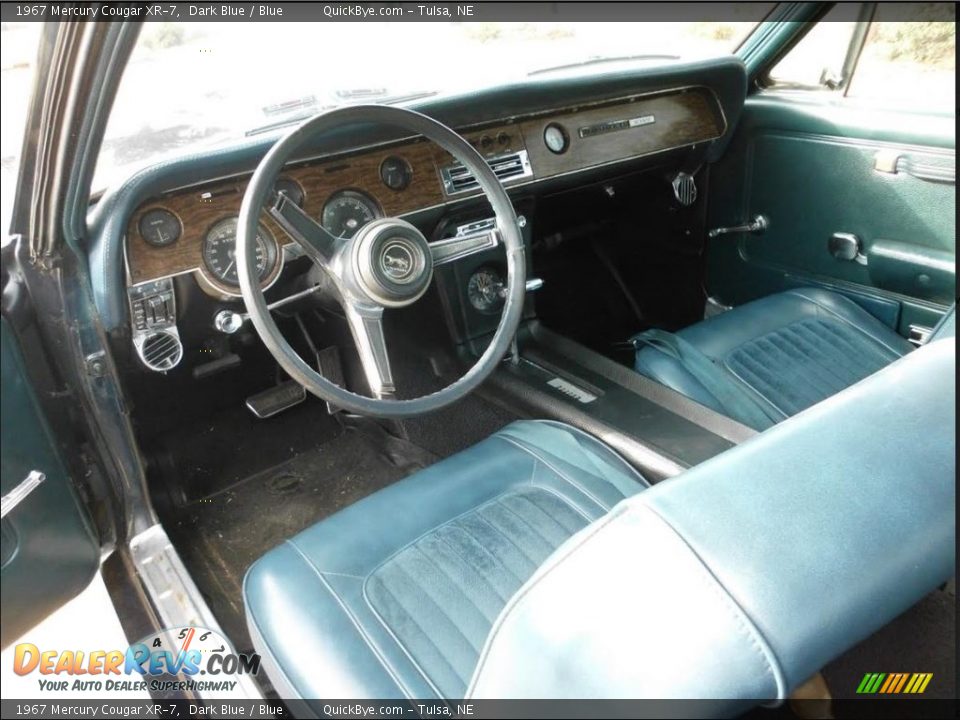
[
  {"x": 454, "y": 428},
  {"x": 221, "y": 535},
  {"x": 210, "y": 455}
]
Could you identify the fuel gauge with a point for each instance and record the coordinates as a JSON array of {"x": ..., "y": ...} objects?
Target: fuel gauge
[{"x": 160, "y": 227}]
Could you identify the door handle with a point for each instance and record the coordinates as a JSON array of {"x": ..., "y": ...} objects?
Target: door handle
[
  {"x": 20, "y": 492},
  {"x": 846, "y": 246},
  {"x": 933, "y": 169},
  {"x": 756, "y": 226}
]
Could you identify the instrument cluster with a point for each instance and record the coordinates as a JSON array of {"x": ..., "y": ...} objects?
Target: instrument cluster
[{"x": 192, "y": 230}]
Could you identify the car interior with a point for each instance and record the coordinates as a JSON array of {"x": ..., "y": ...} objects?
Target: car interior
[{"x": 604, "y": 384}]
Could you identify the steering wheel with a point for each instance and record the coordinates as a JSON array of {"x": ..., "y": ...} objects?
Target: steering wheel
[{"x": 387, "y": 263}]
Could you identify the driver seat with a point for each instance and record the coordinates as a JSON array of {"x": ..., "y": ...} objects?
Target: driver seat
[
  {"x": 395, "y": 595},
  {"x": 539, "y": 564}
]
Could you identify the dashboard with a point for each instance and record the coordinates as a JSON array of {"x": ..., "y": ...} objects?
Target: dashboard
[{"x": 191, "y": 229}]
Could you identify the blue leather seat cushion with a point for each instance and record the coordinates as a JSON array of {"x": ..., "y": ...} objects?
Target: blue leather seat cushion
[
  {"x": 737, "y": 580},
  {"x": 395, "y": 595},
  {"x": 789, "y": 351}
]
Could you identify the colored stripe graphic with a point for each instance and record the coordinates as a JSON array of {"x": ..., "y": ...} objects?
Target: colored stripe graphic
[
  {"x": 890, "y": 679},
  {"x": 899, "y": 687},
  {"x": 894, "y": 683}
]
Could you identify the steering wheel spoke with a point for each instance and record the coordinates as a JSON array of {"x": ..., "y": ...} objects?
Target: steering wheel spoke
[
  {"x": 317, "y": 243},
  {"x": 450, "y": 249},
  {"x": 366, "y": 325}
]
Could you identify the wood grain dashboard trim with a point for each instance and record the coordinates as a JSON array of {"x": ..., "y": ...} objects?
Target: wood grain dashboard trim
[
  {"x": 201, "y": 207},
  {"x": 679, "y": 120},
  {"x": 684, "y": 117}
]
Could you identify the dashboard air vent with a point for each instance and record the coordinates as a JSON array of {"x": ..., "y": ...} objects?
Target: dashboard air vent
[
  {"x": 507, "y": 167},
  {"x": 161, "y": 351},
  {"x": 685, "y": 189}
]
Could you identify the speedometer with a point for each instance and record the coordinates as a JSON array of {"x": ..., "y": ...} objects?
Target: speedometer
[
  {"x": 348, "y": 211},
  {"x": 219, "y": 253}
]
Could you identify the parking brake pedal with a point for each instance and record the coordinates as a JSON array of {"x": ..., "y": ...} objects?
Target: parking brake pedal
[{"x": 277, "y": 399}]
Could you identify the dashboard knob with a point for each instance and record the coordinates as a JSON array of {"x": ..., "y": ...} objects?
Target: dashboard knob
[
  {"x": 486, "y": 142},
  {"x": 503, "y": 139},
  {"x": 227, "y": 321}
]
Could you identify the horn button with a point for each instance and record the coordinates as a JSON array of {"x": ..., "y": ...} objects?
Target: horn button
[{"x": 392, "y": 261}]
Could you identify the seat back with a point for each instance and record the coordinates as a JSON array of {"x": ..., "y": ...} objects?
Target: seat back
[{"x": 747, "y": 574}]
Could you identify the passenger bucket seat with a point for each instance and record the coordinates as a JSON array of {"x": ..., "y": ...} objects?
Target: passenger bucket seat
[{"x": 767, "y": 360}]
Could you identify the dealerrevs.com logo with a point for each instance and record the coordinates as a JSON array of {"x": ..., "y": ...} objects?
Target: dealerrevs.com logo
[{"x": 186, "y": 658}]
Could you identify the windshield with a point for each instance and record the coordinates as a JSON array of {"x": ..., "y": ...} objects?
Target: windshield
[{"x": 200, "y": 84}]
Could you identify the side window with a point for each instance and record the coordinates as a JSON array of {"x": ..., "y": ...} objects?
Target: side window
[
  {"x": 908, "y": 64},
  {"x": 18, "y": 60},
  {"x": 816, "y": 62},
  {"x": 878, "y": 58}
]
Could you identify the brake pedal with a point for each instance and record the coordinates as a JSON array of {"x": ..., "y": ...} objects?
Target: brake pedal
[{"x": 275, "y": 400}]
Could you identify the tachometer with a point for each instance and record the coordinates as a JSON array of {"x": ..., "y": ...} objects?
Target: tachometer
[
  {"x": 219, "y": 253},
  {"x": 348, "y": 211}
]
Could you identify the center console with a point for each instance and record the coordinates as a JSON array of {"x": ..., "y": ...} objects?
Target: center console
[
  {"x": 547, "y": 375},
  {"x": 660, "y": 431}
]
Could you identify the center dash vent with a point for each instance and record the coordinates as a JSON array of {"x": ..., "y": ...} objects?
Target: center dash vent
[{"x": 508, "y": 167}]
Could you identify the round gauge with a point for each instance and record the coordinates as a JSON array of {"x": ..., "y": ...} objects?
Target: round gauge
[
  {"x": 555, "y": 138},
  {"x": 291, "y": 188},
  {"x": 396, "y": 173},
  {"x": 348, "y": 211},
  {"x": 219, "y": 252},
  {"x": 486, "y": 289},
  {"x": 160, "y": 227}
]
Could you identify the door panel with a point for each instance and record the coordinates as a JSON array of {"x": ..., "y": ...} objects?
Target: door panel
[
  {"x": 49, "y": 552},
  {"x": 814, "y": 169}
]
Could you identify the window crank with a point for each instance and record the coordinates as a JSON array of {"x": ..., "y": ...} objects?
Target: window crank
[{"x": 756, "y": 226}]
